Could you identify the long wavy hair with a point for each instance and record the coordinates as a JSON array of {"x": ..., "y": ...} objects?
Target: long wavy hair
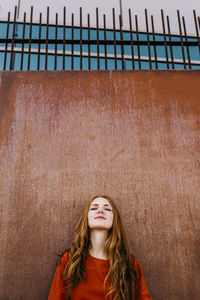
[{"x": 121, "y": 271}]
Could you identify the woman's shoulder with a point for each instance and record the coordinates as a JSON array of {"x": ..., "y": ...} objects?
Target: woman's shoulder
[
  {"x": 135, "y": 262},
  {"x": 64, "y": 257},
  {"x": 141, "y": 287},
  {"x": 136, "y": 265}
]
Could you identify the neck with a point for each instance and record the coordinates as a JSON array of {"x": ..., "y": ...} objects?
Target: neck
[{"x": 98, "y": 239}]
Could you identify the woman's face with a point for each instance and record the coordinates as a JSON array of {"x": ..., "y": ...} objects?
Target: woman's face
[{"x": 100, "y": 214}]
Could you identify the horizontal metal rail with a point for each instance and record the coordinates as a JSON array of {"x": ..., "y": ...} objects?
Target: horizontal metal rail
[
  {"x": 101, "y": 55},
  {"x": 101, "y": 42}
]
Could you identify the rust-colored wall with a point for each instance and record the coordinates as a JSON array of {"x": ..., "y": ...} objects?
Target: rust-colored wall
[{"x": 65, "y": 136}]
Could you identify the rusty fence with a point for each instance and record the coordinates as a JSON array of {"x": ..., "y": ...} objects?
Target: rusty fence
[{"x": 44, "y": 46}]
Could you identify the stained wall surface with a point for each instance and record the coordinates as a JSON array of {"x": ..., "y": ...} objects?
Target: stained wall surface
[{"x": 66, "y": 136}]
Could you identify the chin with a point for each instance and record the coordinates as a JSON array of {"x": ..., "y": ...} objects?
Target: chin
[{"x": 100, "y": 225}]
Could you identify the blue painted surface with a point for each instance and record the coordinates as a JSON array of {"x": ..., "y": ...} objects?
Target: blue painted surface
[{"x": 161, "y": 51}]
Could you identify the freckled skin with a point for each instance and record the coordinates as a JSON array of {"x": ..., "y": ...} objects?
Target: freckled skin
[{"x": 100, "y": 215}]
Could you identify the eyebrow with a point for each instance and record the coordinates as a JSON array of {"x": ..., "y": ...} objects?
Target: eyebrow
[{"x": 95, "y": 204}]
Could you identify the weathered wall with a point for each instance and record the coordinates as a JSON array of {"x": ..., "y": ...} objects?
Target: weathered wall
[{"x": 65, "y": 136}]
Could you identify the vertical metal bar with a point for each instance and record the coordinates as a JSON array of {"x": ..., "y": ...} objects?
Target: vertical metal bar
[
  {"x": 89, "y": 59},
  {"x": 188, "y": 50},
  {"x": 154, "y": 39},
  {"x": 81, "y": 47},
  {"x": 199, "y": 21},
  {"x": 13, "y": 41},
  {"x": 165, "y": 40},
  {"x": 47, "y": 39},
  {"x": 199, "y": 29},
  {"x": 114, "y": 36},
  {"x": 23, "y": 36},
  {"x": 64, "y": 24},
  {"x": 72, "y": 59},
  {"x": 30, "y": 36},
  {"x": 97, "y": 30},
  {"x": 171, "y": 47},
  {"x": 105, "y": 47},
  {"x": 121, "y": 38},
  {"x": 138, "y": 46},
  {"x": 56, "y": 47},
  {"x": 120, "y": 6},
  {"x": 39, "y": 45},
  {"x": 131, "y": 34},
  {"x": 149, "y": 48},
  {"x": 6, "y": 45},
  {"x": 182, "y": 46},
  {"x": 196, "y": 27}
]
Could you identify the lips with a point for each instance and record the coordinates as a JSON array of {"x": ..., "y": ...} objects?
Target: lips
[{"x": 100, "y": 217}]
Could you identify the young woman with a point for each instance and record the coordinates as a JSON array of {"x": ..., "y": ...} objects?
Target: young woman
[{"x": 99, "y": 266}]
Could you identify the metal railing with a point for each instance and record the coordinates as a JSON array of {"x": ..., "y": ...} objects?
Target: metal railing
[{"x": 38, "y": 46}]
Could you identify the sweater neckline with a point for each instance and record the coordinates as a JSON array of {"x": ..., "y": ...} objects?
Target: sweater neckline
[{"x": 97, "y": 259}]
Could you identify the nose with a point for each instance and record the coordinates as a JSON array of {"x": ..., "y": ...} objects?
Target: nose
[{"x": 100, "y": 211}]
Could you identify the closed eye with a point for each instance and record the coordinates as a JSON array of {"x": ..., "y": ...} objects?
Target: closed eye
[
  {"x": 108, "y": 209},
  {"x": 93, "y": 208}
]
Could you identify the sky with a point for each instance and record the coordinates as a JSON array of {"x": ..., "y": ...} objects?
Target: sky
[{"x": 105, "y": 7}]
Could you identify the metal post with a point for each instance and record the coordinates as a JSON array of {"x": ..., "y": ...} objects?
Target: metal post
[{"x": 120, "y": 8}]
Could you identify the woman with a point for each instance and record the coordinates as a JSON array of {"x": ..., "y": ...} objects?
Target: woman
[{"x": 99, "y": 266}]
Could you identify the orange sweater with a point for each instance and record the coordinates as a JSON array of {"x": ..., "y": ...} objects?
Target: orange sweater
[{"x": 92, "y": 287}]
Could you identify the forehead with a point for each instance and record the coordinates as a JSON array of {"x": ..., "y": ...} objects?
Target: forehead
[{"x": 100, "y": 201}]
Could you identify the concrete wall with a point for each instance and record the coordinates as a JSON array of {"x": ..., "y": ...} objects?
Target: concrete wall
[{"x": 65, "y": 136}]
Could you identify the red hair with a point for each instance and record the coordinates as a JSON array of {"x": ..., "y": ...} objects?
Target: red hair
[{"x": 121, "y": 272}]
